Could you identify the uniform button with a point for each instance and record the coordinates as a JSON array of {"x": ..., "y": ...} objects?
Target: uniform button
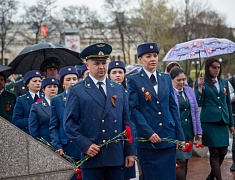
[
  {"x": 218, "y": 97},
  {"x": 115, "y": 121},
  {"x": 219, "y": 107},
  {"x": 102, "y": 121},
  {"x": 115, "y": 131},
  {"x": 70, "y": 141},
  {"x": 186, "y": 120},
  {"x": 158, "y": 102},
  {"x": 159, "y": 113},
  {"x": 104, "y": 141},
  {"x": 160, "y": 124},
  {"x": 103, "y": 131},
  {"x": 185, "y": 109},
  {"x": 26, "y": 127},
  {"x": 116, "y": 141}
]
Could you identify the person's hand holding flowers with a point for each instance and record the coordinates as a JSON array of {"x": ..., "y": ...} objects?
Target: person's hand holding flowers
[{"x": 155, "y": 138}]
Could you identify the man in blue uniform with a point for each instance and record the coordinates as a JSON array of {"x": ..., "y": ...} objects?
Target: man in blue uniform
[
  {"x": 155, "y": 114},
  {"x": 96, "y": 111}
]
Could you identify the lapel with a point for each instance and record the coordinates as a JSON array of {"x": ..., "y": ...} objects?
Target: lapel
[
  {"x": 161, "y": 84},
  {"x": 45, "y": 107},
  {"x": 29, "y": 98},
  {"x": 147, "y": 83},
  {"x": 93, "y": 91},
  {"x": 64, "y": 98},
  {"x": 111, "y": 91}
]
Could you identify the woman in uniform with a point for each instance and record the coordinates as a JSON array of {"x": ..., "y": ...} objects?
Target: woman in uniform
[
  {"x": 189, "y": 115},
  {"x": 60, "y": 141},
  {"x": 116, "y": 72},
  {"x": 39, "y": 117},
  {"x": 33, "y": 80},
  {"x": 212, "y": 93}
]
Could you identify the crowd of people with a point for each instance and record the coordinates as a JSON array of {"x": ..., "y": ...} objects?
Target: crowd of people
[{"x": 79, "y": 110}]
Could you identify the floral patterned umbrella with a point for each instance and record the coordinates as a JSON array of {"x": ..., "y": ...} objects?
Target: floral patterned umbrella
[{"x": 200, "y": 48}]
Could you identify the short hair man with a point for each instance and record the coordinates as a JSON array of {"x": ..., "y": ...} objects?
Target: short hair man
[{"x": 96, "y": 111}]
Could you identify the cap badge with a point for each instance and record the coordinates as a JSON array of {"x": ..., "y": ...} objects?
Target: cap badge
[
  {"x": 117, "y": 64},
  {"x": 100, "y": 53},
  {"x": 69, "y": 69},
  {"x": 23, "y": 87},
  {"x": 100, "y": 45},
  {"x": 53, "y": 80},
  {"x": 151, "y": 47},
  {"x": 37, "y": 72}
]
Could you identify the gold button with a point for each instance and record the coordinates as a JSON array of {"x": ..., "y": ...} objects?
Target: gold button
[
  {"x": 116, "y": 141},
  {"x": 160, "y": 124},
  {"x": 115, "y": 121},
  {"x": 104, "y": 141},
  {"x": 102, "y": 121},
  {"x": 115, "y": 131},
  {"x": 70, "y": 141},
  {"x": 159, "y": 113},
  {"x": 103, "y": 131},
  {"x": 158, "y": 102}
]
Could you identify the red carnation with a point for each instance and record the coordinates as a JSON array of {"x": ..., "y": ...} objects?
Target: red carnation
[
  {"x": 128, "y": 134},
  {"x": 188, "y": 147},
  {"x": 39, "y": 100},
  {"x": 79, "y": 174}
]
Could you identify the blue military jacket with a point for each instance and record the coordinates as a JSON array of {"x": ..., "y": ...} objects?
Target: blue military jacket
[
  {"x": 92, "y": 119},
  {"x": 39, "y": 119},
  {"x": 59, "y": 139},
  {"x": 21, "y": 111},
  {"x": 154, "y": 113}
]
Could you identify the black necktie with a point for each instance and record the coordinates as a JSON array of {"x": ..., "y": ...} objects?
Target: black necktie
[
  {"x": 153, "y": 80},
  {"x": 36, "y": 97},
  {"x": 180, "y": 93},
  {"x": 101, "y": 89}
]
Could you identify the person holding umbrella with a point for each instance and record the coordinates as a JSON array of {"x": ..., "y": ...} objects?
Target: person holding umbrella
[
  {"x": 50, "y": 69},
  {"x": 7, "y": 99},
  {"x": 212, "y": 93},
  {"x": 33, "y": 80},
  {"x": 39, "y": 117}
]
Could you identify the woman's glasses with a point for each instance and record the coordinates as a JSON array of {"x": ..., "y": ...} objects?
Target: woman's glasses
[
  {"x": 183, "y": 79},
  {"x": 215, "y": 67}
]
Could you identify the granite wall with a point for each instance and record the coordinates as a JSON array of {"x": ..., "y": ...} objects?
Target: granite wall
[{"x": 24, "y": 158}]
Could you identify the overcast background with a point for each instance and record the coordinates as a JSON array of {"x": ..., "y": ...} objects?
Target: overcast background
[{"x": 224, "y": 7}]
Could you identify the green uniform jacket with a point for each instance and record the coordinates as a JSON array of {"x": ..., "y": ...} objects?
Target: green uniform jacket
[
  {"x": 215, "y": 105},
  {"x": 7, "y": 103}
]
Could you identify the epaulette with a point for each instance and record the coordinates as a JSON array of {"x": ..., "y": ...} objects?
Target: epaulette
[{"x": 78, "y": 83}]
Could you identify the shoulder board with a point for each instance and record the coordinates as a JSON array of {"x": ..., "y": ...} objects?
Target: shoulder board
[
  {"x": 9, "y": 92},
  {"x": 79, "y": 82}
]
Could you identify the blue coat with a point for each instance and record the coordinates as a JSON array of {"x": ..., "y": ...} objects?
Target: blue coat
[
  {"x": 59, "y": 139},
  {"x": 21, "y": 111},
  {"x": 89, "y": 119},
  {"x": 159, "y": 114},
  {"x": 39, "y": 119}
]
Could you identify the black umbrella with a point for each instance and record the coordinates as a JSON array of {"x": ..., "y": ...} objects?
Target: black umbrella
[
  {"x": 31, "y": 57},
  {"x": 5, "y": 70}
]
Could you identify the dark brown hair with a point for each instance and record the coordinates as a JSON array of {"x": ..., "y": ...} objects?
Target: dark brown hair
[
  {"x": 208, "y": 76},
  {"x": 170, "y": 66}
]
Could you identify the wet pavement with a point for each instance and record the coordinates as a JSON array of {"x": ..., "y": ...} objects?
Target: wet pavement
[{"x": 199, "y": 168}]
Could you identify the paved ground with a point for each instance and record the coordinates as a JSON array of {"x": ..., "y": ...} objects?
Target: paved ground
[{"x": 199, "y": 168}]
